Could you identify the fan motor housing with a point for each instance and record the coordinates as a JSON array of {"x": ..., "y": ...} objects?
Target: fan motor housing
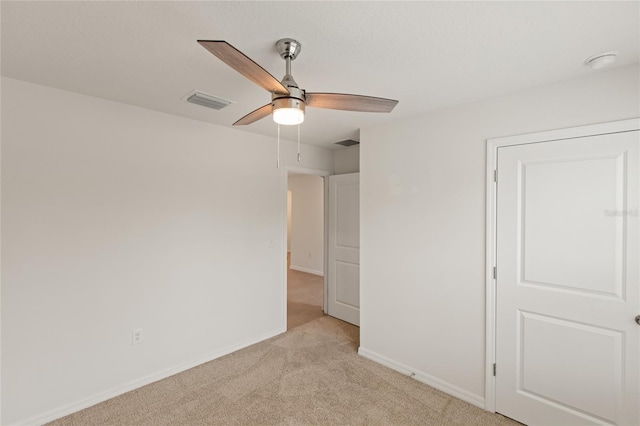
[
  {"x": 295, "y": 99},
  {"x": 288, "y": 102}
]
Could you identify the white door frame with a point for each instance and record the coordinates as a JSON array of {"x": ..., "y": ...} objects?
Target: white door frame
[
  {"x": 490, "y": 227},
  {"x": 285, "y": 186}
]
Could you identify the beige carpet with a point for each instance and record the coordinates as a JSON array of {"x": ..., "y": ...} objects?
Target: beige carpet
[{"x": 310, "y": 375}]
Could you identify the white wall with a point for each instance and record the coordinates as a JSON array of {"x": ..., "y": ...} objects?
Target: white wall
[
  {"x": 423, "y": 222},
  {"x": 346, "y": 160},
  {"x": 307, "y": 223},
  {"x": 115, "y": 218}
]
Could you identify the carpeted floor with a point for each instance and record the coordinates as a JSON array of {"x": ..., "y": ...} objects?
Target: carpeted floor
[
  {"x": 304, "y": 298},
  {"x": 310, "y": 375}
]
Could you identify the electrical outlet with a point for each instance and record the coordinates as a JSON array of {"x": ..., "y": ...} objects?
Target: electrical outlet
[
  {"x": 310, "y": 255},
  {"x": 136, "y": 336}
]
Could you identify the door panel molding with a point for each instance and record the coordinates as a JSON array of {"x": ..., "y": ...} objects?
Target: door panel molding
[{"x": 491, "y": 227}]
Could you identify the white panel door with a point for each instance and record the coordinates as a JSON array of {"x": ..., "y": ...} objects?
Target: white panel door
[
  {"x": 344, "y": 248},
  {"x": 568, "y": 281}
]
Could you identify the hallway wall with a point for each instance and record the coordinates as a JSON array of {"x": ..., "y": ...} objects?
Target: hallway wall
[{"x": 307, "y": 225}]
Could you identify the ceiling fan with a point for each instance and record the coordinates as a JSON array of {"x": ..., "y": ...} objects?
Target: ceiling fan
[{"x": 288, "y": 101}]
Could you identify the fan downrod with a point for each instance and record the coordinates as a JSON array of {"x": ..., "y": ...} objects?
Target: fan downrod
[{"x": 288, "y": 48}]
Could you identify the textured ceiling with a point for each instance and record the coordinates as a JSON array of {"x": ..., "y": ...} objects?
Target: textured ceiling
[{"x": 428, "y": 55}]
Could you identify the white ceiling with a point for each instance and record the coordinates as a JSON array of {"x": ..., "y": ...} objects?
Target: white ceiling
[{"x": 428, "y": 55}]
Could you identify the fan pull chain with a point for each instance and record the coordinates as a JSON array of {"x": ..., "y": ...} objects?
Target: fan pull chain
[
  {"x": 278, "y": 160},
  {"x": 298, "y": 143}
]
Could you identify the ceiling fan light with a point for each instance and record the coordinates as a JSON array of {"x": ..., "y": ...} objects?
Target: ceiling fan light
[
  {"x": 288, "y": 116},
  {"x": 288, "y": 111}
]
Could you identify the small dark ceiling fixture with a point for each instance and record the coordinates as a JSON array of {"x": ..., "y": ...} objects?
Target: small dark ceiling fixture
[{"x": 348, "y": 142}]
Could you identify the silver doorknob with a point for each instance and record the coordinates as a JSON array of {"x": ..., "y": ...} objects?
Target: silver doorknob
[{"x": 638, "y": 319}]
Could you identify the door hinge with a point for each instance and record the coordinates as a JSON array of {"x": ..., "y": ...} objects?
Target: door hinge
[
  {"x": 495, "y": 272},
  {"x": 494, "y": 369},
  {"x": 495, "y": 175}
]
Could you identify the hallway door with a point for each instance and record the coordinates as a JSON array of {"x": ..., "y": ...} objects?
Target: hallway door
[{"x": 344, "y": 248}]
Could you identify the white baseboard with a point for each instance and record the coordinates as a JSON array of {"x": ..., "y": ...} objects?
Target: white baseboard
[
  {"x": 135, "y": 384},
  {"x": 425, "y": 378},
  {"x": 307, "y": 270}
]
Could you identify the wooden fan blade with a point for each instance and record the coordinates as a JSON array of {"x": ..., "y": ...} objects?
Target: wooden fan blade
[
  {"x": 347, "y": 102},
  {"x": 244, "y": 65},
  {"x": 253, "y": 116}
]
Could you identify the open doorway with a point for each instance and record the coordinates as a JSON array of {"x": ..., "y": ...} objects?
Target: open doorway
[{"x": 306, "y": 247}]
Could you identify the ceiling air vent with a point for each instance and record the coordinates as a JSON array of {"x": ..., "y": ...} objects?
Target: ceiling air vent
[
  {"x": 206, "y": 100},
  {"x": 348, "y": 142}
]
